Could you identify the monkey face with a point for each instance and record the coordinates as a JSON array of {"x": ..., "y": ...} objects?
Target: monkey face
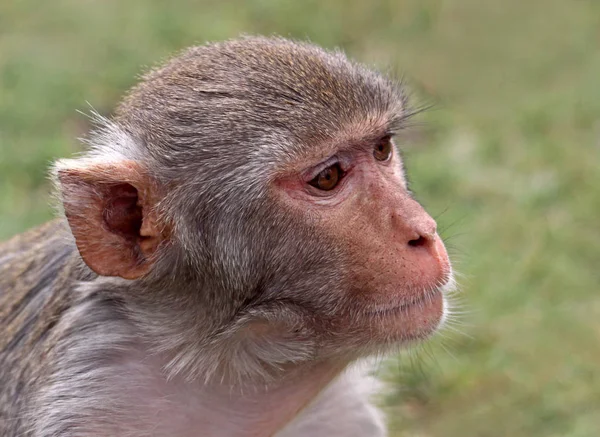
[{"x": 393, "y": 267}]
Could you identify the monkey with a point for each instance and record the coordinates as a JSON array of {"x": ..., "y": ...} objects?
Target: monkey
[{"x": 236, "y": 237}]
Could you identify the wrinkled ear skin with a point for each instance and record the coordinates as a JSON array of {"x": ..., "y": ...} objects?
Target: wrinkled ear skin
[{"x": 110, "y": 211}]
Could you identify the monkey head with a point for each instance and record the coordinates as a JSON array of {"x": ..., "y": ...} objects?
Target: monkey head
[{"x": 251, "y": 192}]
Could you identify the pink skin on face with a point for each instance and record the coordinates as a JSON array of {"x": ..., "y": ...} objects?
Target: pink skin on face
[{"x": 399, "y": 263}]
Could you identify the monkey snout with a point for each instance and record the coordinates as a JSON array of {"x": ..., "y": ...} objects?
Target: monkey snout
[
  {"x": 431, "y": 258},
  {"x": 411, "y": 223}
]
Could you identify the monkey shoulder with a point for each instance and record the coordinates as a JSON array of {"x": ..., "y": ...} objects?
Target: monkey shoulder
[{"x": 38, "y": 271}]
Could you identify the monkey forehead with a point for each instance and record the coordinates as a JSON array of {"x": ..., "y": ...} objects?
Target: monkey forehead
[{"x": 240, "y": 92}]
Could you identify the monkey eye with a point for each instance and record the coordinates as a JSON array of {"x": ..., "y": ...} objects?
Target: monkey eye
[
  {"x": 328, "y": 178},
  {"x": 383, "y": 149}
]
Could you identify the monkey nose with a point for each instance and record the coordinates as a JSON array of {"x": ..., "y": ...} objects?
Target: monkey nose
[
  {"x": 427, "y": 248},
  {"x": 424, "y": 233}
]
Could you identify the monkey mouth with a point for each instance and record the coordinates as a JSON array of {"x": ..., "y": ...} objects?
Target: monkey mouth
[
  {"x": 419, "y": 300},
  {"x": 412, "y": 319},
  {"x": 414, "y": 303}
]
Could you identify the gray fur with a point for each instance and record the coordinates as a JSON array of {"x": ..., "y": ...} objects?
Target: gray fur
[{"x": 212, "y": 127}]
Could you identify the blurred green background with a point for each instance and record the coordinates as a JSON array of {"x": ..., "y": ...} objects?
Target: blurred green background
[{"x": 508, "y": 161}]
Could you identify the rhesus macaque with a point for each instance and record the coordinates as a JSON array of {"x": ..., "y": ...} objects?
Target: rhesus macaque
[{"x": 239, "y": 233}]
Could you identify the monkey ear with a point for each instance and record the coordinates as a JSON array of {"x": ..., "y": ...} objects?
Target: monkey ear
[{"x": 110, "y": 209}]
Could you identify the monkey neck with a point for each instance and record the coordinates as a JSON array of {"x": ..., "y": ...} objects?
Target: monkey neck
[
  {"x": 264, "y": 412},
  {"x": 218, "y": 406},
  {"x": 219, "y": 409},
  {"x": 254, "y": 409}
]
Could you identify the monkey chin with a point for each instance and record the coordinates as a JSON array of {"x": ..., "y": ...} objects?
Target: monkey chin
[
  {"x": 410, "y": 322},
  {"x": 416, "y": 320}
]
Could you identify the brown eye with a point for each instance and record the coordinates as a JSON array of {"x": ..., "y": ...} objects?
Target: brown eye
[
  {"x": 328, "y": 178},
  {"x": 383, "y": 149}
]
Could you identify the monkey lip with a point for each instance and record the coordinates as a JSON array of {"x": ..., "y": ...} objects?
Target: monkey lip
[
  {"x": 423, "y": 301},
  {"x": 410, "y": 321}
]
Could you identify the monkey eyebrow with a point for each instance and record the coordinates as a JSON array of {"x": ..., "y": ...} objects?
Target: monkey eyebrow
[
  {"x": 369, "y": 140},
  {"x": 342, "y": 150},
  {"x": 397, "y": 123}
]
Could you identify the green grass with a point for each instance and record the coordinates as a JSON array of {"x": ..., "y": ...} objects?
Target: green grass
[{"x": 508, "y": 161}]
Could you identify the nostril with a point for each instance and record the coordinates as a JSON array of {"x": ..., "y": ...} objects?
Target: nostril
[{"x": 421, "y": 241}]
